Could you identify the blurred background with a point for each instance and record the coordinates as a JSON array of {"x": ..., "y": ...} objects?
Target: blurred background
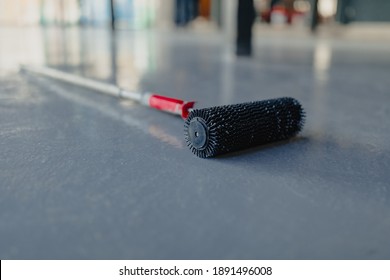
[
  {"x": 141, "y": 14},
  {"x": 88, "y": 176},
  {"x": 76, "y": 35}
]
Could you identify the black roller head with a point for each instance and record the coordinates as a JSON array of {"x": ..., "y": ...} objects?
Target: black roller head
[{"x": 218, "y": 130}]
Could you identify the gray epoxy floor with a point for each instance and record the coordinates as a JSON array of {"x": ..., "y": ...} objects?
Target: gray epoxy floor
[{"x": 88, "y": 176}]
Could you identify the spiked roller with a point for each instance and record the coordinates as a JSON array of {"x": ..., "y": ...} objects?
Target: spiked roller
[
  {"x": 218, "y": 130},
  {"x": 211, "y": 131}
]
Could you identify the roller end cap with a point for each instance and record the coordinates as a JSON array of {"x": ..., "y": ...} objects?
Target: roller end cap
[
  {"x": 198, "y": 136},
  {"x": 198, "y": 133}
]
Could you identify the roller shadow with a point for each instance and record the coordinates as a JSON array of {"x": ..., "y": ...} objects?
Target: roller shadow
[
  {"x": 258, "y": 149},
  {"x": 331, "y": 162}
]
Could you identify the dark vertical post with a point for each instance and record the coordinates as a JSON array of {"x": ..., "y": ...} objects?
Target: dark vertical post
[
  {"x": 112, "y": 8},
  {"x": 245, "y": 20},
  {"x": 314, "y": 15},
  {"x": 113, "y": 45}
]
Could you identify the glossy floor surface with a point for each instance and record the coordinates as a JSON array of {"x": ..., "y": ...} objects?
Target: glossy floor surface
[{"x": 88, "y": 176}]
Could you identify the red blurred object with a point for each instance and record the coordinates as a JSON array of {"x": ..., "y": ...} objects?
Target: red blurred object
[
  {"x": 171, "y": 105},
  {"x": 289, "y": 14}
]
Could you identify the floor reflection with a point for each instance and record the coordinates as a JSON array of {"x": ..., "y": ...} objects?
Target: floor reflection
[{"x": 149, "y": 127}]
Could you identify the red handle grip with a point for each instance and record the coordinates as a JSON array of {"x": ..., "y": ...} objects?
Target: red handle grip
[{"x": 171, "y": 105}]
